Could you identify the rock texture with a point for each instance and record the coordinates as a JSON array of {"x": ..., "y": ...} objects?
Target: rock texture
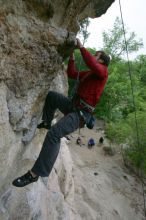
[{"x": 35, "y": 38}]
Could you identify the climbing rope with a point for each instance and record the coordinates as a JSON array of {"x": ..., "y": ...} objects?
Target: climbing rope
[{"x": 134, "y": 105}]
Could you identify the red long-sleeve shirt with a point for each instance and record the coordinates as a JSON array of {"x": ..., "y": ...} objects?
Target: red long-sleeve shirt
[{"x": 92, "y": 82}]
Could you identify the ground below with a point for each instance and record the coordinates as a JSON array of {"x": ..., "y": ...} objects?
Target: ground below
[{"x": 104, "y": 188}]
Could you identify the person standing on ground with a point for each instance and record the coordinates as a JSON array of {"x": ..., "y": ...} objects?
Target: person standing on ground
[
  {"x": 77, "y": 113},
  {"x": 91, "y": 143}
]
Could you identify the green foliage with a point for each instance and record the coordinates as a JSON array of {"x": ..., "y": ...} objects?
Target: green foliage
[
  {"x": 137, "y": 158},
  {"x": 114, "y": 42},
  {"x": 123, "y": 104},
  {"x": 138, "y": 124},
  {"x": 118, "y": 132},
  {"x": 133, "y": 132},
  {"x": 117, "y": 100},
  {"x": 139, "y": 69}
]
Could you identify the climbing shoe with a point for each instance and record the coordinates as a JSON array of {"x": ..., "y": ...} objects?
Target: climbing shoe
[
  {"x": 43, "y": 125},
  {"x": 25, "y": 180}
]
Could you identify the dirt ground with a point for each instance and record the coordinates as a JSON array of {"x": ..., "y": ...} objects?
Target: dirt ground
[{"x": 105, "y": 188}]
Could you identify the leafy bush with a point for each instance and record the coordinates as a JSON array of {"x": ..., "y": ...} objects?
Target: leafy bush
[
  {"x": 133, "y": 132},
  {"x": 118, "y": 132}
]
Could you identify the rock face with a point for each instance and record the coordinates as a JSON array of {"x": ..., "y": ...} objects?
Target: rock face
[{"x": 35, "y": 38}]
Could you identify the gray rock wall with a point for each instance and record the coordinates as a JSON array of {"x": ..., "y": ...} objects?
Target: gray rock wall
[{"x": 35, "y": 37}]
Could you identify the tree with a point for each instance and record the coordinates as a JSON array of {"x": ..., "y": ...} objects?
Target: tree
[
  {"x": 125, "y": 95},
  {"x": 140, "y": 68},
  {"x": 116, "y": 102},
  {"x": 114, "y": 42},
  {"x": 132, "y": 132}
]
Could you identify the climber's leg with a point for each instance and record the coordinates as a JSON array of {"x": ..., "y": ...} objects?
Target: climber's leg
[
  {"x": 51, "y": 145},
  {"x": 54, "y": 101},
  {"x": 50, "y": 149}
]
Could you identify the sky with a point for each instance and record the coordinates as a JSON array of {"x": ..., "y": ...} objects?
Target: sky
[{"x": 134, "y": 16}]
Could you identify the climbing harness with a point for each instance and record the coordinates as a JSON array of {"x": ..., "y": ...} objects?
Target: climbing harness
[
  {"x": 134, "y": 105},
  {"x": 86, "y": 105}
]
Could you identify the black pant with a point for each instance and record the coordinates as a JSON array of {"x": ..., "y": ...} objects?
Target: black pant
[{"x": 68, "y": 124}]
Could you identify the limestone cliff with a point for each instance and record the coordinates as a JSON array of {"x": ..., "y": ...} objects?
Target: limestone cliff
[{"x": 35, "y": 37}]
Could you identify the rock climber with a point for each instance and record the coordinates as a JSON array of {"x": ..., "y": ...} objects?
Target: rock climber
[{"x": 76, "y": 113}]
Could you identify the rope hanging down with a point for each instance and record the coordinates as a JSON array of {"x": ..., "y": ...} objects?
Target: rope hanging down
[{"x": 133, "y": 100}]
